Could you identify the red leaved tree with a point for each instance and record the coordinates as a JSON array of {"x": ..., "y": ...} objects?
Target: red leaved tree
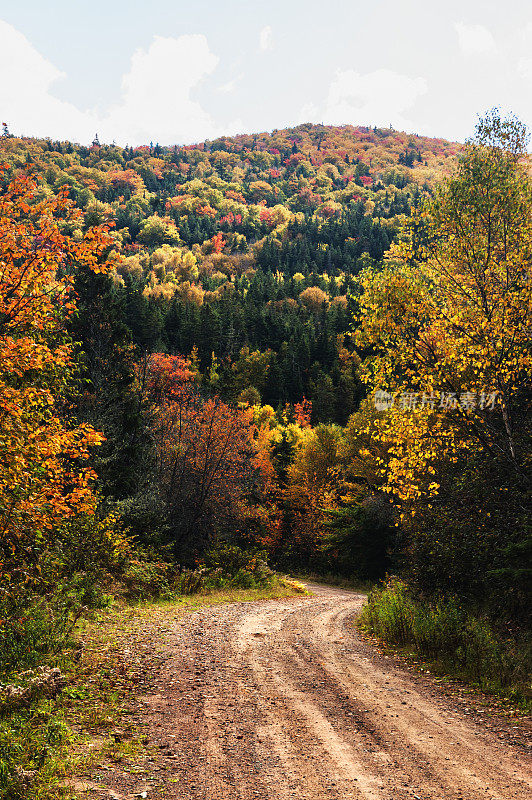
[{"x": 205, "y": 456}]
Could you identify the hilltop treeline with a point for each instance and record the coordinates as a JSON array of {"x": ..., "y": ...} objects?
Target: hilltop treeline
[{"x": 245, "y": 250}]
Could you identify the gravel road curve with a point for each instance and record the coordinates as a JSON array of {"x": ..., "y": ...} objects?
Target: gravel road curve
[{"x": 281, "y": 699}]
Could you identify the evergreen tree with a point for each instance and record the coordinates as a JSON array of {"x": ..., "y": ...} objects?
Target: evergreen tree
[{"x": 107, "y": 398}]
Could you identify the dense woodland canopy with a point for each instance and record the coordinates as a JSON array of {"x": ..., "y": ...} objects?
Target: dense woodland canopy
[
  {"x": 244, "y": 251},
  {"x": 313, "y": 343}
]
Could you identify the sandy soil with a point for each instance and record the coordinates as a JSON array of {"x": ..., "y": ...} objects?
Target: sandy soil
[{"x": 281, "y": 699}]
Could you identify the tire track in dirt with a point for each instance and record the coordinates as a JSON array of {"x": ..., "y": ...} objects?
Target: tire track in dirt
[
  {"x": 281, "y": 700},
  {"x": 441, "y": 757}
]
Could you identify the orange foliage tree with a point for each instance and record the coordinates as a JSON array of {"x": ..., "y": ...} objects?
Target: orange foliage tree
[
  {"x": 206, "y": 456},
  {"x": 42, "y": 478},
  {"x": 167, "y": 377}
]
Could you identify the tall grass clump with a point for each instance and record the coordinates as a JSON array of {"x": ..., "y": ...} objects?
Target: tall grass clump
[{"x": 451, "y": 639}]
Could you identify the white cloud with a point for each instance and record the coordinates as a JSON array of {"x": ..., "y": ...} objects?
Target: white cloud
[
  {"x": 227, "y": 88},
  {"x": 266, "y": 39},
  {"x": 524, "y": 63},
  {"x": 25, "y": 99},
  {"x": 230, "y": 86},
  {"x": 525, "y": 35},
  {"x": 309, "y": 113},
  {"x": 156, "y": 102},
  {"x": 524, "y": 68},
  {"x": 377, "y": 98},
  {"x": 233, "y": 128},
  {"x": 475, "y": 40}
]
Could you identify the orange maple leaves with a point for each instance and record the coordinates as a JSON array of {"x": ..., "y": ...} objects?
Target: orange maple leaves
[
  {"x": 206, "y": 453},
  {"x": 41, "y": 480}
]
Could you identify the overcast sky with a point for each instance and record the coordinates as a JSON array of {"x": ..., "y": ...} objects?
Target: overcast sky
[{"x": 180, "y": 72}]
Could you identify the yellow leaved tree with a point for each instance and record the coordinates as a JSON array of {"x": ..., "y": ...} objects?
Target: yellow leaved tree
[{"x": 446, "y": 325}]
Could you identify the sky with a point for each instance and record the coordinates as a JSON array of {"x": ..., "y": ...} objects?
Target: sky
[{"x": 181, "y": 72}]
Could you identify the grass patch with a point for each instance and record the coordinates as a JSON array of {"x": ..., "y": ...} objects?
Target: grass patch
[
  {"x": 451, "y": 641},
  {"x": 280, "y": 587},
  {"x": 42, "y": 747},
  {"x": 332, "y": 579}
]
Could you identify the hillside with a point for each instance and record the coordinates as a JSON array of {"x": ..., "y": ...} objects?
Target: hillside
[
  {"x": 210, "y": 370},
  {"x": 242, "y": 251}
]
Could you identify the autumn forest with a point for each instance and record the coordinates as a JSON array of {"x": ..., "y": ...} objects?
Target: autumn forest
[{"x": 304, "y": 353}]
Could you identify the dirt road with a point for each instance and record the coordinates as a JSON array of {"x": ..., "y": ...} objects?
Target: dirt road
[{"x": 281, "y": 699}]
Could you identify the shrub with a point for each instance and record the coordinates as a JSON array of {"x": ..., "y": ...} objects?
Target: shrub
[
  {"x": 451, "y": 638},
  {"x": 143, "y": 579},
  {"x": 41, "y": 603},
  {"x": 27, "y": 740},
  {"x": 229, "y": 565},
  {"x": 189, "y": 581},
  {"x": 38, "y": 618},
  {"x": 34, "y": 624}
]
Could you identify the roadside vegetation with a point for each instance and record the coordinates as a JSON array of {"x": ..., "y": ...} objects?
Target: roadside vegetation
[
  {"x": 453, "y": 640},
  {"x": 447, "y": 325}
]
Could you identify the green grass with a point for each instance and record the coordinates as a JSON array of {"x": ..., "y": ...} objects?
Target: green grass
[
  {"x": 280, "y": 587},
  {"x": 55, "y": 739},
  {"x": 332, "y": 579},
  {"x": 451, "y": 641}
]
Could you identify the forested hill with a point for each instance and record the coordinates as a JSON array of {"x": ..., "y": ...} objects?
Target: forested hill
[
  {"x": 301, "y": 350},
  {"x": 241, "y": 251}
]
